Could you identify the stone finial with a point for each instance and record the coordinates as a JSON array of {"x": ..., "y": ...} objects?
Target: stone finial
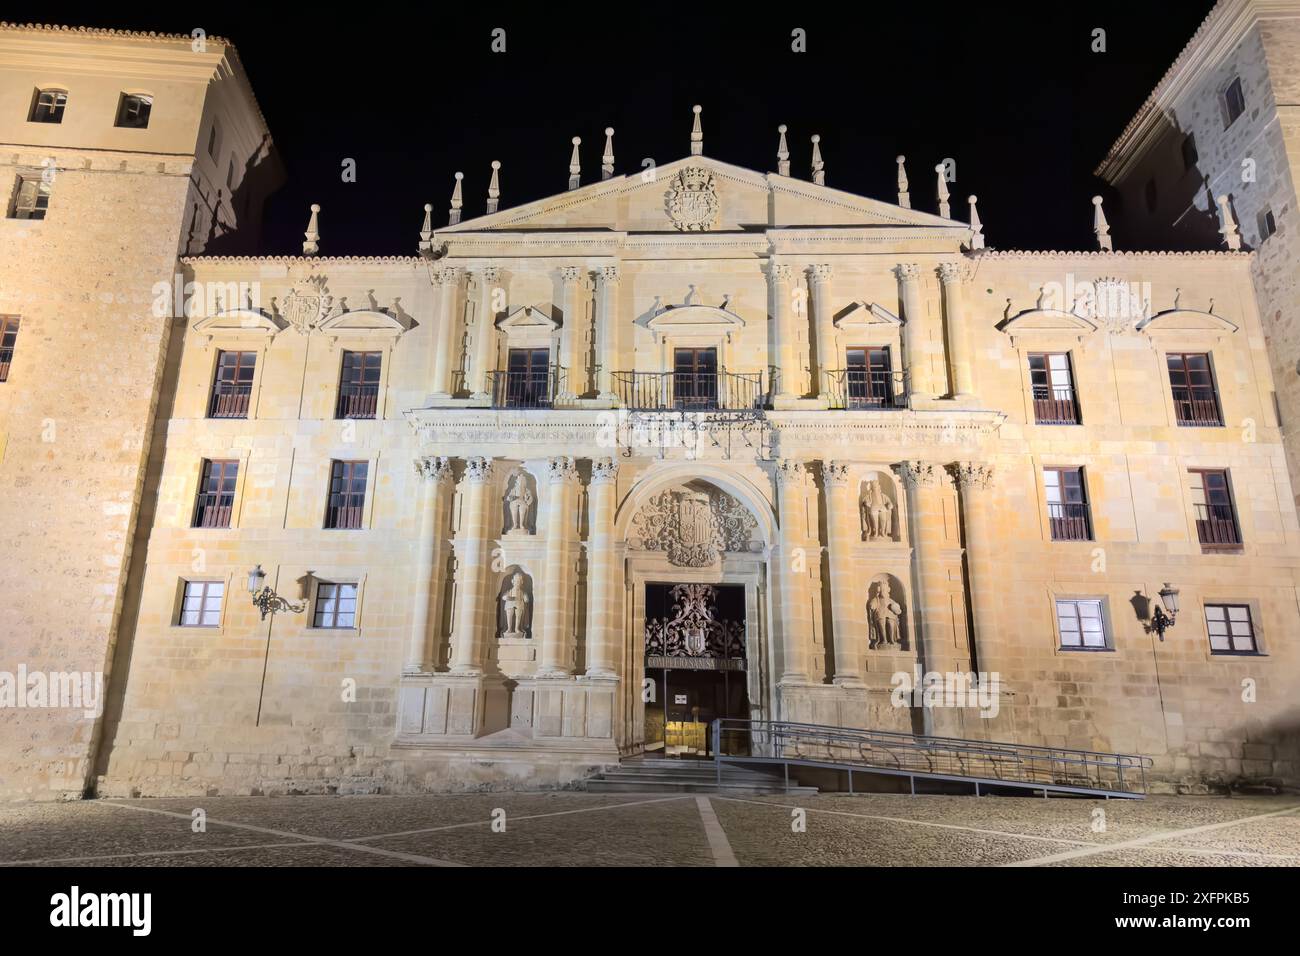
[
  {"x": 575, "y": 164},
  {"x": 426, "y": 230},
  {"x": 944, "y": 209},
  {"x": 1228, "y": 228},
  {"x": 1100, "y": 226},
  {"x": 457, "y": 200},
  {"x": 312, "y": 235},
  {"x": 818, "y": 167},
  {"x": 977, "y": 227},
  {"x": 697, "y": 133},
  {"x": 904, "y": 199},
  {"x": 494, "y": 188},
  {"x": 782, "y": 154},
  {"x": 607, "y": 160}
]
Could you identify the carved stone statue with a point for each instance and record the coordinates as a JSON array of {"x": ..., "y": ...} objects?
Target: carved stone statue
[
  {"x": 884, "y": 615},
  {"x": 519, "y": 502},
  {"x": 514, "y": 607},
  {"x": 877, "y": 513}
]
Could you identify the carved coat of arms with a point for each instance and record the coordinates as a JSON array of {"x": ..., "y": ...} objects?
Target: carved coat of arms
[
  {"x": 692, "y": 199},
  {"x": 306, "y": 305},
  {"x": 693, "y": 527}
]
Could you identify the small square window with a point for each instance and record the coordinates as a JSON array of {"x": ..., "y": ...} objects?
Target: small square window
[
  {"x": 1231, "y": 629},
  {"x": 201, "y": 604},
  {"x": 1082, "y": 624},
  {"x": 47, "y": 106},
  {"x": 31, "y": 197},
  {"x": 133, "y": 111},
  {"x": 336, "y": 605},
  {"x": 1234, "y": 102},
  {"x": 1267, "y": 223}
]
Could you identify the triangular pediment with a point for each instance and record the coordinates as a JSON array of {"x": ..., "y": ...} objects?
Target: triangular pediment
[
  {"x": 698, "y": 195},
  {"x": 860, "y": 314},
  {"x": 527, "y": 317}
]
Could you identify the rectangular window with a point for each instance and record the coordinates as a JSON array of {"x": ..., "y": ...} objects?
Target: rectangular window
[
  {"x": 1267, "y": 223},
  {"x": 1234, "y": 102},
  {"x": 8, "y": 336},
  {"x": 1083, "y": 628},
  {"x": 232, "y": 385},
  {"x": 230, "y": 175},
  {"x": 1052, "y": 383},
  {"x": 133, "y": 111},
  {"x": 1067, "y": 504},
  {"x": 336, "y": 605},
  {"x": 47, "y": 106},
  {"x": 1216, "y": 518},
  {"x": 347, "y": 495},
  {"x": 695, "y": 378},
  {"x": 1231, "y": 629},
  {"x": 31, "y": 198},
  {"x": 526, "y": 382},
  {"x": 868, "y": 378},
  {"x": 1190, "y": 156},
  {"x": 201, "y": 604},
  {"x": 1196, "y": 400},
  {"x": 214, "y": 138},
  {"x": 359, "y": 385},
  {"x": 216, "y": 498}
]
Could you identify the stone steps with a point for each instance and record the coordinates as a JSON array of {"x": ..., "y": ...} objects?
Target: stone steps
[{"x": 666, "y": 775}]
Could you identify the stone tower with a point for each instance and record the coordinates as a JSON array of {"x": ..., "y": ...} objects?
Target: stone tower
[{"x": 119, "y": 152}]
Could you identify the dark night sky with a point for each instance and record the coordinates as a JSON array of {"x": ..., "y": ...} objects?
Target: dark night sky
[{"x": 1011, "y": 91}]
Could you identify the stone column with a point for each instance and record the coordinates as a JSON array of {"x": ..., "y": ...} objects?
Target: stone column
[
  {"x": 783, "y": 351},
  {"x": 790, "y": 565},
  {"x": 920, "y": 382},
  {"x": 931, "y": 611},
  {"x": 434, "y": 475},
  {"x": 446, "y": 339},
  {"x": 820, "y": 278},
  {"x": 607, "y": 329},
  {"x": 975, "y": 480},
  {"x": 958, "y": 330},
  {"x": 474, "y": 561},
  {"x": 841, "y": 524},
  {"x": 602, "y": 570},
  {"x": 571, "y": 357},
  {"x": 485, "y": 334},
  {"x": 556, "y": 624}
]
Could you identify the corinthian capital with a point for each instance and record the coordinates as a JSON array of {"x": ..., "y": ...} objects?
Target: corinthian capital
[
  {"x": 433, "y": 468},
  {"x": 561, "y": 470},
  {"x": 949, "y": 272},
  {"x": 779, "y": 272},
  {"x": 908, "y": 272},
  {"x": 790, "y": 471},
  {"x": 478, "y": 471},
  {"x": 570, "y": 274},
  {"x": 604, "y": 471},
  {"x": 836, "y": 474},
  {"x": 918, "y": 474},
  {"x": 820, "y": 273},
  {"x": 609, "y": 275},
  {"x": 971, "y": 475}
]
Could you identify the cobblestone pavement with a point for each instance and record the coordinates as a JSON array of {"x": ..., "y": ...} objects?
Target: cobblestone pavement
[{"x": 579, "y": 829}]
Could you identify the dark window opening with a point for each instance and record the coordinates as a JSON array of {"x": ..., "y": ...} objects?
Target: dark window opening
[
  {"x": 216, "y": 497},
  {"x": 695, "y": 378},
  {"x": 359, "y": 385},
  {"x": 1052, "y": 382},
  {"x": 347, "y": 495},
  {"x": 48, "y": 106},
  {"x": 1196, "y": 401},
  {"x": 232, "y": 385},
  {"x": 1067, "y": 504},
  {"x": 133, "y": 111},
  {"x": 1216, "y": 518}
]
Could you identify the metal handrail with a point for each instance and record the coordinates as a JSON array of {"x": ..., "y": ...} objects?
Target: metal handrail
[
  {"x": 689, "y": 391},
  {"x": 534, "y": 388},
  {"x": 1025, "y": 765},
  {"x": 862, "y": 388}
]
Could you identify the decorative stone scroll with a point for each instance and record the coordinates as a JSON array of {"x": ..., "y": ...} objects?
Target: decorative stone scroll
[
  {"x": 692, "y": 629},
  {"x": 694, "y": 525}
]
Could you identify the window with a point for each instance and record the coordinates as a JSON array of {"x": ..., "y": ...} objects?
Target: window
[
  {"x": 1067, "y": 504},
  {"x": 1216, "y": 519},
  {"x": 1150, "y": 194},
  {"x": 232, "y": 385},
  {"x": 1190, "y": 156},
  {"x": 869, "y": 378},
  {"x": 526, "y": 382},
  {"x": 230, "y": 174},
  {"x": 8, "y": 335},
  {"x": 47, "y": 106},
  {"x": 1234, "y": 102},
  {"x": 1267, "y": 223},
  {"x": 216, "y": 498},
  {"x": 336, "y": 605},
  {"x": 1052, "y": 384},
  {"x": 359, "y": 385},
  {"x": 695, "y": 378},
  {"x": 214, "y": 138},
  {"x": 133, "y": 111},
  {"x": 1196, "y": 402},
  {"x": 31, "y": 197},
  {"x": 1231, "y": 629},
  {"x": 1083, "y": 628},
  {"x": 201, "y": 604},
  {"x": 347, "y": 495}
]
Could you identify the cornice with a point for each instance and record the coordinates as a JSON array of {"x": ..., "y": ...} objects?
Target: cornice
[{"x": 1113, "y": 254}]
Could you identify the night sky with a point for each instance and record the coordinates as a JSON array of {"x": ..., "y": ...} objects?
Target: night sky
[{"x": 1011, "y": 91}]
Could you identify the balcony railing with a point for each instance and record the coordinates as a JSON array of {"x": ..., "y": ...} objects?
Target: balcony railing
[
  {"x": 1055, "y": 405},
  {"x": 1069, "y": 521},
  {"x": 1216, "y": 527},
  {"x": 533, "y": 388},
  {"x": 357, "y": 401},
  {"x": 212, "y": 510},
  {"x": 230, "y": 400},
  {"x": 1196, "y": 407},
  {"x": 857, "y": 388},
  {"x": 690, "y": 391}
]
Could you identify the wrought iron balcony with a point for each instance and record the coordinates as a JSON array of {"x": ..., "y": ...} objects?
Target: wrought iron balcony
[
  {"x": 1196, "y": 406},
  {"x": 230, "y": 400},
  {"x": 1055, "y": 405},
  {"x": 1216, "y": 527},
  {"x": 1070, "y": 521},
  {"x": 212, "y": 509},
  {"x": 859, "y": 388},
  {"x": 357, "y": 401},
  {"x": 532, "y": 388},
  {"x": 690, "y": 391}
]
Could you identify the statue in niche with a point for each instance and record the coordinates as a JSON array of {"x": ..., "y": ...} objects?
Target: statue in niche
[
  {"x": 514, "y": 607},
  {"x": 877, "y": 513},
  {"x": 884, "y": 615},
  {"x": 519, "y": 504}
]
